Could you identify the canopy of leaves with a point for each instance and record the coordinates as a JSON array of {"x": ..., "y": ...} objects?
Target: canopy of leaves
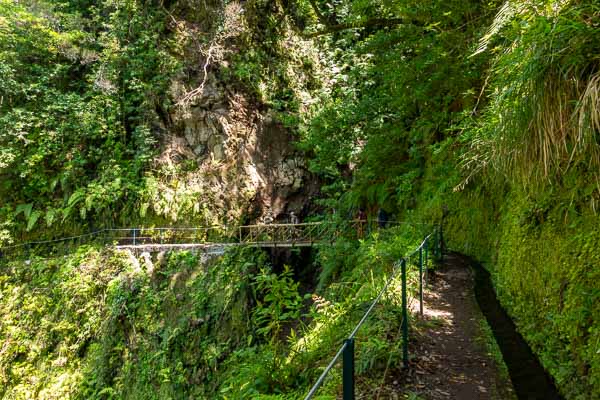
[
  {"x": 399, "y": 90},
  {"x": 77, "y": 105}
]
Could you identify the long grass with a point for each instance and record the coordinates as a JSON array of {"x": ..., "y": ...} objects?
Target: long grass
[{"x": 543, "y": 112}]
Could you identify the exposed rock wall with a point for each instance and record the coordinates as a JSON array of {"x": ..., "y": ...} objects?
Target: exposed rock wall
[
  {"x": 225, "y": 154},
  {"x": 246, "y": 161}
]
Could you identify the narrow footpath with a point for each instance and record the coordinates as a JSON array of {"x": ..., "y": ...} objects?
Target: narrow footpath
[{"x": 452, "y": 355}]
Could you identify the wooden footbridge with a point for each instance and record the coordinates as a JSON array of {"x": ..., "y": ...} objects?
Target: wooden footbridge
[
  {"x": 213, "y": 239},
  {"x": 218, "y": 238}
]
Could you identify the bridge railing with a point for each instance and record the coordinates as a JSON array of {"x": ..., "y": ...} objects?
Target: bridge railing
[
  {"x": 117, "y": 236},
  {"x": 306, "y": 233},
  {"x": 171, "y": 236},
  {"x": 431, "y": 244},
  {"x": 50, "y": 247}
]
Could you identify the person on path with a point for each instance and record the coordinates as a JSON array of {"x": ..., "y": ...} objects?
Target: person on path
[
  {"x": 382, "y": 218},
  {"x": 294, "y": 218},
  {"x": 268, "y": 218},
  {"x": 362, "y": 221}
]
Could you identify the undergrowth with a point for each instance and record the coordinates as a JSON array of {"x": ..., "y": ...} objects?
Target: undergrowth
[{"x": 103, "y": 324}]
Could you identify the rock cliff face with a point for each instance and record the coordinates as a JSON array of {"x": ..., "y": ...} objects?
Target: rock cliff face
[
  {"x": 244, "y": 162},
  {"x": 224, "y": 153}
]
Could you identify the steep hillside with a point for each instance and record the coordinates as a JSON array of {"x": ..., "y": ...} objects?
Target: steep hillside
[
  {"x": 485, "y": 117},
  {"x": 481, "y": 116},
  {"x": 103, "y": 324},
  {"x": 115, "y": 113}
]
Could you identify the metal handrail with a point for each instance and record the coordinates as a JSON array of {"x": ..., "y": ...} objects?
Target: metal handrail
[
  {"x": 399, "y": 265},
  {"x": 257, "y": 234},
  {"x": 52, "y": 240},
  {"x": 319, "y": 382}
]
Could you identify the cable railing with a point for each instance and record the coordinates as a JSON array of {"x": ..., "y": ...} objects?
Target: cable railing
[
  {"x": 346, "y": 350},
  {"x": 247, "y": 234},
  {"x": 268, "y": 234},
  {"x": 308, "y": 232}
]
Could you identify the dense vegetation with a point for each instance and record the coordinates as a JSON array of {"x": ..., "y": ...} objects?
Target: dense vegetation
[
  {"x": 87, "y": 100},
  {"x": 77, "y": 108},
  {"x": 101, "y": 324},
  {"x": 487, "y": 109},
  {"x": 491, "y": 111}
]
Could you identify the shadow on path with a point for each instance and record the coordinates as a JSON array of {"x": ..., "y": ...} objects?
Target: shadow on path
[{"x": 451, "y": 360}]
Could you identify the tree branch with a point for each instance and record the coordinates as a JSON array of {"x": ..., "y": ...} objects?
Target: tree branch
[{"x": 322, "y": 19}]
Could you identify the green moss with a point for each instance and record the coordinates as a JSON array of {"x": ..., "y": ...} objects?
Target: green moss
[{"x": 544, "y": 262}]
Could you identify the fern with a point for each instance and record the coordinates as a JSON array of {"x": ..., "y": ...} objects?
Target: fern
[
  {"x": 74, "y": 199},
  {"x": 25, "y": 209},
  {"x": 33, "y": 218}
]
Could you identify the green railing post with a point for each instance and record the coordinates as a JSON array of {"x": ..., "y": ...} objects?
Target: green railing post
[
  {"x": 426, "y": 258},
  {"x": 404, "y": 316},
  {"x": 442, "y": 241},
  {"x": 348, "y": 370},
  {"x": 134, "y": 236},
  {"x": 421, "y": 280}
]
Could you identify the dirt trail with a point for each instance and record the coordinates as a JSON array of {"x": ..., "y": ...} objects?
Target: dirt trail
[{"x": 451, "y": 360}]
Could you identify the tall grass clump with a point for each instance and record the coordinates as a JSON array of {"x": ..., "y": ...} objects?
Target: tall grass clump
[{"x": 543, "y": 112}]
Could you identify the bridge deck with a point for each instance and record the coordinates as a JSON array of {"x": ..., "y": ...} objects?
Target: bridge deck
[
  {"x": 209, "y": 239},
  {"x": 211, "y": 247}
]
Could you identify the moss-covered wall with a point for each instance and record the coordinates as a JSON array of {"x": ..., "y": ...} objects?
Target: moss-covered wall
[
  {"x": 545, "y": 263},
  {"x": 105, "y": 325}
]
